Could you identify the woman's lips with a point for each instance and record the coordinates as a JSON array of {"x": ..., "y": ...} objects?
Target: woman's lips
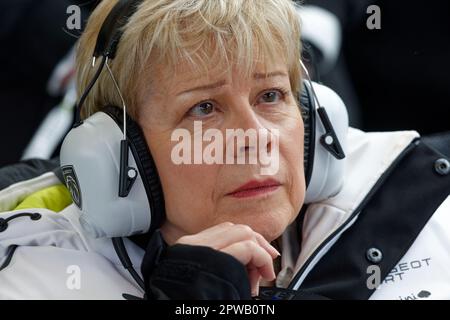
[{"x": 255, "y": 188}]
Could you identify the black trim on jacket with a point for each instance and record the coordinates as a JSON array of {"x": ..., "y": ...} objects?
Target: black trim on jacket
[
  {"x": 390, "y": 222},
  {"x": 26, "y": 170}
]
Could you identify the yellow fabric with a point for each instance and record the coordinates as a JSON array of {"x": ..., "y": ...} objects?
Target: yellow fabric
[{"x": 54, "y": 198}]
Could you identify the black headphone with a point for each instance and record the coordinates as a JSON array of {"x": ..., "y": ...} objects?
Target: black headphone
[{"x": 112, "y": 177}]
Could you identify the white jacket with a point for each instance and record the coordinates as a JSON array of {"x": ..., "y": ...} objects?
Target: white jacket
[{"x": 55, "y": 259}]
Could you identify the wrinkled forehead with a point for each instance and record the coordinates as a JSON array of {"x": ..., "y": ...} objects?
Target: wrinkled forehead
[
  {"x": 193, "y": 69},
  {"x": 226, "y": 68}
]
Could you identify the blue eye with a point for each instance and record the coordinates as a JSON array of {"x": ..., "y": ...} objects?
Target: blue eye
[
  {"x": 273, "y": 96},
  {"x": 202, "y": 109}
]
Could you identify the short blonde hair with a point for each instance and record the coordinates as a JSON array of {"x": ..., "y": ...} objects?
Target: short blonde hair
[{"x": 244, "y": 31}]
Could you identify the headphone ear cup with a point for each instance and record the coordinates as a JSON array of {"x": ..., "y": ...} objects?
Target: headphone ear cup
[
  {"x": 326, "y": 171},
  {"x": 145, "y": 165},
  {"x": 309, "y": 122},
  {"x": 90, "y": 162}
]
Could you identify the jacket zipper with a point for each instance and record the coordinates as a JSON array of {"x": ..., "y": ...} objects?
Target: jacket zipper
[
  {"x": 10, "y": 252},
  {"x": 351, "y": 219}
]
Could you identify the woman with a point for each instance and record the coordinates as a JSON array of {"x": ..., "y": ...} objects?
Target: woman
[{"x": 229, "y": 231}]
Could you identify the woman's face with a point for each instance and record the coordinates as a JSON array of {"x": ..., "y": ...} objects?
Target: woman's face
[{"x": 200, "y": 195}]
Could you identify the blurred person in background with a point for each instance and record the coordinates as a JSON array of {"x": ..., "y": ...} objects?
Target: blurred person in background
[
  {"x": 396, "y": 77},
  {"x": 35, "y": 38}
]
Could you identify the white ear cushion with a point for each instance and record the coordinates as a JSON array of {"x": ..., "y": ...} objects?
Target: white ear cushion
[
  {"x": 327, "y": 176},
  {"x": 93, "y": 150}
]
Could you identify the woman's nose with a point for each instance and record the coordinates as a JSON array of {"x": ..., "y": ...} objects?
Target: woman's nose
[{"x": 249, "y": 133}]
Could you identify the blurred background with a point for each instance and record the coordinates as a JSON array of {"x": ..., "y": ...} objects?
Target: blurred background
[{"x": 390, "y": 66}]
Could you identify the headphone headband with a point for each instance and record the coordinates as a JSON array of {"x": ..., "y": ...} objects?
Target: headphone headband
[
  {"x": 106, "y": 45},
  {"x": 111, "y": 30}
]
